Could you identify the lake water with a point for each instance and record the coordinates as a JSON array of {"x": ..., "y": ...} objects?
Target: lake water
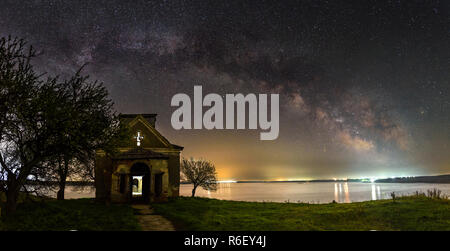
[{"x": 314, "y": 192}]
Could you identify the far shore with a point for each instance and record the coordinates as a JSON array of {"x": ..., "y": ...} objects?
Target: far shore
[{"x": 438, "y": 179}]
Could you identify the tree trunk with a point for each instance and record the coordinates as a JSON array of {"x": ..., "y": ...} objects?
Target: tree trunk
[
  {"x": 11, "y": 200},
  {"x": 193, "y": 191},
  {"x": 62, "y": 187},
  {"x": 62, "y": 179}
]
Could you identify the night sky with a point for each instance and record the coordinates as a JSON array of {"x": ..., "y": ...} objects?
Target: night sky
[{"x": 364, "y": 85}]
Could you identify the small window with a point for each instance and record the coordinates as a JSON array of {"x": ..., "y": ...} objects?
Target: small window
[
  {"x": 122, "y": 183},
  {"x": 158, "y": 184}
]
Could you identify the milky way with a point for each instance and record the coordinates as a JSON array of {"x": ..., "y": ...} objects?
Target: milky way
[{"x": 363, "y": 86}]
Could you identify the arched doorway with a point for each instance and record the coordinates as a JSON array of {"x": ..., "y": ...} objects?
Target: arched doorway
[{"x": 140, "y": 182}]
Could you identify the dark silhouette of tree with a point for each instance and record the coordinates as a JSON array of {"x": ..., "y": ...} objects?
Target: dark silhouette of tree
[
  {"x": 28, "y": 107},
  {"x": 88, "y": 124},
  {"x": 200, "y": 173},
  {"x": 47, "y": 125}
]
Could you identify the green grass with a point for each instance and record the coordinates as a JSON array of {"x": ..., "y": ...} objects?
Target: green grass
[
  {"x": 406, "y": 213},
  {"x": 80, "y": 214}
]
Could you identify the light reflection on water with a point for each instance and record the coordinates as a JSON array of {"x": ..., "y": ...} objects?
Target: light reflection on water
[
  {"x": 313, "y": 192},
  {"x": 341, "y": 195}
]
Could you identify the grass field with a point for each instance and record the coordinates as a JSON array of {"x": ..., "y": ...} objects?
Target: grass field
[
  {"x": 406, "y": 213},
  {"x": 80, "y": 214}
]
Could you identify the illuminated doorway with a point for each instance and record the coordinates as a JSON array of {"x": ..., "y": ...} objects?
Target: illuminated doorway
[
  {"x": 140, "y": 182},
  {"x": 137, "y": 186}
]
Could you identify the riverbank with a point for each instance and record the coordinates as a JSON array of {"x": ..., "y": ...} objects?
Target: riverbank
[{"x": 406, "y": 213}]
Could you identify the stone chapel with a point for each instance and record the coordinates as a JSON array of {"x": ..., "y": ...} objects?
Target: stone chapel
[{"x": 145, "y": 169}]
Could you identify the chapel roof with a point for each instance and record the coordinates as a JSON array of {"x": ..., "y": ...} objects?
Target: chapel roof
[{"x": 149, "y": 119}]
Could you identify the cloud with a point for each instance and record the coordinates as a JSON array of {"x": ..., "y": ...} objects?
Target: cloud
[{"x": 355, "y": 142}]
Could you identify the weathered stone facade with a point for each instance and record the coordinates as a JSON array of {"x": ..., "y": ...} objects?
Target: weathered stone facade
[{"x": 149, "y": 163}]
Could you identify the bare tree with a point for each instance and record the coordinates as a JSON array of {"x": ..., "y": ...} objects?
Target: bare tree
[{"x": 200, "y": 173}]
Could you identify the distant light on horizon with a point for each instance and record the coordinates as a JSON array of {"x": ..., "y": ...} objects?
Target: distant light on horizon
[
  {"x": 226, "y": 181},
  {"x": 371, "y": 179}
]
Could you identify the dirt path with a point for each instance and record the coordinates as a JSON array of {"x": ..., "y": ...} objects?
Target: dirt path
[{"x": 150, "y": 221}]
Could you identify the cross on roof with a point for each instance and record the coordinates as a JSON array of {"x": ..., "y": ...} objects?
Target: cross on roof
[{"x": 138, "y": 138}]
